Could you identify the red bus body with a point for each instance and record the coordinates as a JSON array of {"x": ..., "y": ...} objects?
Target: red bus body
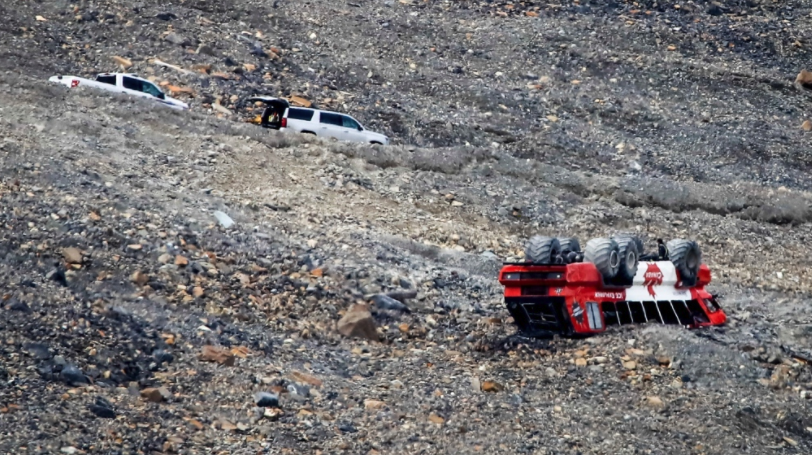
[{"x": 573, "y": 299}]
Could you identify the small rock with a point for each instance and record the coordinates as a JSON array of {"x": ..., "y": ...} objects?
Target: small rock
[
  {"x": 476, "y": 385},
  {"x": 220, "y": 355},
  {"x": 804, "y": 78},
  {"x": 205, "y": 50},
  {"x": 806, "y": 125},
  {"x": 655, "y": 402},
  {"x": 140, "y": 278},
  {"x": 384, "y": 302},
  {"x": 72, "y": 375},
  {"x": 124, "y": 63},
  {"x": 72, "y": 255},
  {"x": 266, "y": 400},
  {"x": 551, "y": 373},
  {"x": 272, "y": 413},
  {"x": 165, "y": 258},
  {"x": 162, "y": 356},
  {"x": 374, "y": 404},
  {"x": 177, "y": 39},
  {"x": 492, "y": 386},
  {"x": 358, "y": 322},
  {"x": 580, "y": 362},
  {"x": 18, "y": 305},
  {"x": 436, "y": 419},
  {"x": 156, "y": 394},
  {"x": 102, "y": 408},
  {"x": 223, "y": 219},
  {"x": 181, "y": 261},
  {"x": 305, "y": 378},
  {"x": 630, "y": 365}
]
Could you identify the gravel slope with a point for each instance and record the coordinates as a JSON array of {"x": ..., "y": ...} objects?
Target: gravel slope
[{"x": 117, "y": 275}]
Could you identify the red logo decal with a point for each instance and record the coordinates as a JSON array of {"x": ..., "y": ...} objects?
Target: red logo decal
[
  {"x": 652, "y": 277},
  {"x": 74, "y": 83}
]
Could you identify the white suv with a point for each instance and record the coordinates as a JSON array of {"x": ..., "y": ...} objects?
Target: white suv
[{"x": 280, "y": 115}]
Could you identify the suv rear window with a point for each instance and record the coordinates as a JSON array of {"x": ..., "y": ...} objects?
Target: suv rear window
[
  {"x": 330, "y": 119},
  {"x": 300, "y": 114}
]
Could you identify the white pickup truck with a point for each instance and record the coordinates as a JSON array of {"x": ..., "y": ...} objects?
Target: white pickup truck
[{"x": 122, "y": 83}]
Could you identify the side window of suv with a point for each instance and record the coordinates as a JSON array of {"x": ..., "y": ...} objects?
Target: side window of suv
[
  {"x": 330, "y": 119},
  {"x": 350, "y": 123}
]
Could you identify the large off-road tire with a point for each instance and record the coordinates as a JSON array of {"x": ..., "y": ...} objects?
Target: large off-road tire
[
  {"x": 686, "y": 257},
  {"x": 603, "y": 253},
  {"x": 542, "y": 250},
  {"x": 569, "y": 244},
  {"x": 629, "y": 257}
]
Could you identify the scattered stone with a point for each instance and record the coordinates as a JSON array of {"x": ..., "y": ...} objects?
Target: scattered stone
[
  {"x": 102, "y": 408},
  {"x": 807, "y": 125},
  {"x": 223, "y": 219},
  {"x": 299, "y": 101},
  {"x": 156, "y": 394},
  {"x": 266, "y": 400},
  {"x": 72, "y": 255},
  {"x": 358, "y": 322},
  {"x": 306, "y": 378},
  {"x": 436, "y": 419},
  {"x": 181, "y": 261},
  {"x": 492, "y": 386},
  {"x": 580, "y": 362},
  {"x": 804, "y": 78},
  {"x": 630, "y": 365},
  {"x": 73, "y": 375},
  {"x": 177, "y": 39},
  {"x": 139, "y": 278},
  {"x": 125, "y": 64},
  {"x": 655, "y": 402},
  {"x": 19, "y": 305},
  {"x": 664, "y": 361},
  {"x": 384, "y": 302},
  {"x": 374, "y": 404},
  {"x": 219, "y": 355},
  {"x": 402, "y": 296}
]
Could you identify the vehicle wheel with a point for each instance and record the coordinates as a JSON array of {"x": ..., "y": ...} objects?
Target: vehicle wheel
[
  {"x": 629, "y": 255},
  {"x": 569, "y": 244},
  {"x": 309, "y": 132},
  {"x": 686, "y": 257},
  {"x": 603, "y": 253},
  {"x": 542, "y": 250}
]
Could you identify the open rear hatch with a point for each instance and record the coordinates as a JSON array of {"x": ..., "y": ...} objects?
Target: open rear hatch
[{"x": 274, "y": 111}]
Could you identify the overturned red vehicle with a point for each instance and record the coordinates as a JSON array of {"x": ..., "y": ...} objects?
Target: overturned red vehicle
[{"x": 560, "y": 290}]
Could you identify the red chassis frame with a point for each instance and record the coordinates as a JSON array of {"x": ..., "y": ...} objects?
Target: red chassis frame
[{"x": 573, "y": 299}]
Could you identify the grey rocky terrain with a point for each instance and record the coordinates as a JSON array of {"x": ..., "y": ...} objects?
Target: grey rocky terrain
[{"x": 161, "y": 269}]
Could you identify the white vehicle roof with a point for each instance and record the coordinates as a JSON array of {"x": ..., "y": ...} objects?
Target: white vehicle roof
[{"x": 132, "y": 75}]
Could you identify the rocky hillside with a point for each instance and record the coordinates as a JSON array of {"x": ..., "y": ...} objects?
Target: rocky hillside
[{"x": 172, "y": 282}]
